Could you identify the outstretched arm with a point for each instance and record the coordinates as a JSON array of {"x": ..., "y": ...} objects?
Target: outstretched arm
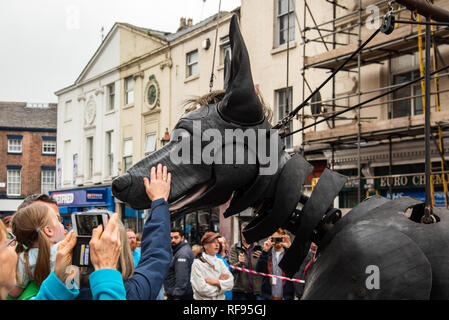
[{"x": 156, "y": 243}]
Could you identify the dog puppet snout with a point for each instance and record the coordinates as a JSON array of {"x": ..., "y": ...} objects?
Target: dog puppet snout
[{"x": 121, "y": 186}]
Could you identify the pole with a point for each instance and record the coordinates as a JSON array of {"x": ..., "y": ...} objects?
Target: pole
[
  {"x": 428, "y": 205},
  {"x": 359, "y": 124},
  {"x": 390, "y": 168}
]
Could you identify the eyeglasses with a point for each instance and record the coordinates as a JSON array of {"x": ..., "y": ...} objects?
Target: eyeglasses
[{"x": 11, "y": 239}]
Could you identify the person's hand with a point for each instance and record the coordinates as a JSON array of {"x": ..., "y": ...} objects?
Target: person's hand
[
  {"x": 159, "y": 184},
  {"x": 64, "y": 256},
  {"x": 267, "y": 245},
  {"x": 105, "y": 246},
  {"x": 286, "y": 243},
  {"x": 224, "y": 277},
  {"x": 256, "y": 254},
  {"x": 213, "y": 282},
  {"x": 242, "y": 258}
]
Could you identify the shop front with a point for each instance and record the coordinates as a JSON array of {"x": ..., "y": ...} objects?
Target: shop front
[
  {"x": 196, "y": 223},
  {"x": 411, "y": 183},
  {"x": 405, "y": 181}
]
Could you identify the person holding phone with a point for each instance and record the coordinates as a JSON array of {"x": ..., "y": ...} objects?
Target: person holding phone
[
  {"x": 273, "y": 252},
  {"x": 247, "y": 286}
]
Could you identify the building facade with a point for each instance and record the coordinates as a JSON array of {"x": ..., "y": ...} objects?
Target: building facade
[
  {"x": 380, "y": 146},
  {"x": 27, "y": 152},
  {"x": 89, "y": 122}
]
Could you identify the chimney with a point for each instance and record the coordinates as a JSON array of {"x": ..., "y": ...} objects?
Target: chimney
[{"x": 182, "y": 24}]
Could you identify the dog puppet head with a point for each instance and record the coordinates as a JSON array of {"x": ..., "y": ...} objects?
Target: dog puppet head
[{"x": 219, "y": 151}]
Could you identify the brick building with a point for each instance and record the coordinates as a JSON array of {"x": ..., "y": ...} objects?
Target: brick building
[{"x": 27, "y": 152}]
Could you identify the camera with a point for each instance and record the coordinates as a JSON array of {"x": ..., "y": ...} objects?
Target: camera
[
  {"x": 277, "y": 239},
  {"x": 83, "y": 224}
]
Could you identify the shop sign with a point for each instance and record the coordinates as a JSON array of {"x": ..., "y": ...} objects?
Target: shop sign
[
  {"x": 84, "y": 197},
  {"x": 417, "y": 181},
  {"x": 64, "y": 198}
]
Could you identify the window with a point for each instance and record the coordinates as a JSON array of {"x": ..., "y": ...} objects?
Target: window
[
  {"x": 48, "y": 147},
  {"x": 67, "y": 162},
  {"x": 90, "y": 156},
  {"x": 284, "y": 17},
  {"x": 109, "y": 154},
  {"x": 192, "y": 63},
  {"x": 111, "y": 97},
  {"x": 13, "y": 187},
  {"x": 284, "y": 106},
  {"x": 225, "y": 49},
  {"x": 15, "y": 145},
  {"x": 150, "y": 143},
  {"x": 407, "y": 107},
  {"x": 68, "y": 111},
  {"x": 127, "y": 154},
  {"x": 129, "y": 90},
  {"x": 48, "y": 181}
]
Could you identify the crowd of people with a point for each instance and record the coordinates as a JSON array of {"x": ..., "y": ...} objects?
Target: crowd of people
[{"x": 36, "y": 258}]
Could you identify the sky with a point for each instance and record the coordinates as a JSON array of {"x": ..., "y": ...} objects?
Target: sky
[{"x": 45, "y": 44}]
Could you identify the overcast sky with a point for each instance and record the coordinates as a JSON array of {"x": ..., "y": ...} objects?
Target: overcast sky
[{"x": 45, "y": 44}]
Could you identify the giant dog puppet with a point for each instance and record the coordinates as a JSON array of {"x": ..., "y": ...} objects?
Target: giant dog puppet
[{"x": 410, "y": 258}]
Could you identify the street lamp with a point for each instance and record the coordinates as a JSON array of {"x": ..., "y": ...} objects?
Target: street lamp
[{"x": 166, "y": 138}]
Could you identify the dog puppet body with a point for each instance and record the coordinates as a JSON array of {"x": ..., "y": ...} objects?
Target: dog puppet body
[{"x": 374, "y": 252}]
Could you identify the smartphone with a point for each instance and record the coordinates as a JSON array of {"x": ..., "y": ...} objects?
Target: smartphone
[
  {"x": 83, "y": 224},
  {"x": 277, "y": 239},
  {"x": 257, "y": 248}
]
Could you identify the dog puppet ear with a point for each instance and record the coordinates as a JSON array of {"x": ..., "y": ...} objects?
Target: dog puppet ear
[{"x": 240, "y": 104}]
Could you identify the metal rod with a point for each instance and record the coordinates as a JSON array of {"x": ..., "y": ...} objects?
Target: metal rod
[
  {"x": 349, "y": 14},
  {"x": 366, "y": 101},
  {"x": 336, "y": 31},
  {"x": 377, "y": 90},
  {"x": 398, "y": 175},
  {"x": 298, "y": 108},
  {"x": 427, "y": 121},
  {"x": 422, "y": 23},
  {"x": 336, "y": 4},
  {"x": 327, "y": 42},
  {"x": 390, "y": 166},
  {"x": 410, "y": 37},
  {"x": 303, "y": 121},
  {"x": 388, "y": 101},
  {"x": 314, "y": 22},
  {"x": 359, "y": 124}
]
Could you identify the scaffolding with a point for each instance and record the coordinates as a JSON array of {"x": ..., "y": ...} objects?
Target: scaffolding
[{"x": 340, "y": 37}]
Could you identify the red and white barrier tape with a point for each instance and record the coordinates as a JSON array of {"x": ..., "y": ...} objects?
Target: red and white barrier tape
[{"x": 265, "y": 274}]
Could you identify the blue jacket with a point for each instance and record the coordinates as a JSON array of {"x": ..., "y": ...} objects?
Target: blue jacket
[
  {"x": 136, "y": 256},
  {"x": 149, "y": 275},
  {"x": 265, "y": 265},
  {"x": 106, "y": 284},
  {"x": 228, "y": 294},
  {"x": 177, "y": 283}
]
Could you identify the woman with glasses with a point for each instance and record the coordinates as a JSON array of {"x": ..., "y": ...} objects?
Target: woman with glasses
[{"x": 8, "y": 261}]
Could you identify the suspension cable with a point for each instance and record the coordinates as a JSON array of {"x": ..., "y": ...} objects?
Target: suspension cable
[{"x": 212, "y": 76}]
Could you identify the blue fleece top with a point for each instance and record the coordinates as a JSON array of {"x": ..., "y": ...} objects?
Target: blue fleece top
[
  {"x": 136, "y": 256},
  {"x": 106, "y": 284},
  {"x": 156, "y": 255},
  {"x": 228, "y": 294}
]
